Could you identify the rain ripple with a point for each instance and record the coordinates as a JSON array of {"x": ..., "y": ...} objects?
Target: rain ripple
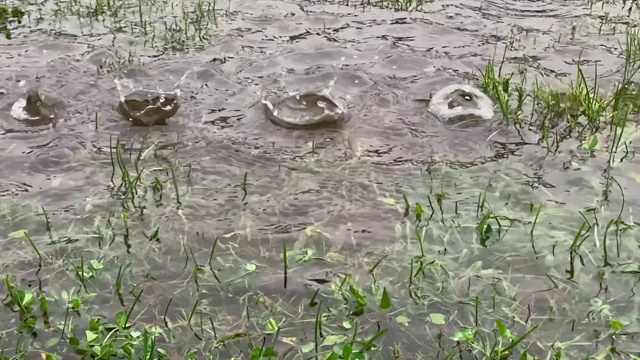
[{"x": 531, "y": 9}]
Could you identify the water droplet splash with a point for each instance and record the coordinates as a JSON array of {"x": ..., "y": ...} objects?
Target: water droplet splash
[
  {"x": 300, "y": 109},
  {"x": 146, "y": 107},
  {"x": 19, "y": 113},
  {"x": 33, "y": 107},
  {"x": 461, "y": 100}
]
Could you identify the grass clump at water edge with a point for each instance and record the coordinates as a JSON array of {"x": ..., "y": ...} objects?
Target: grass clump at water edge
[{"x": 9, "y": 16}]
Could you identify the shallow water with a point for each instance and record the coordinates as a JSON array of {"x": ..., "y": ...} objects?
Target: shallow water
[{"x": 344, "y": 180}]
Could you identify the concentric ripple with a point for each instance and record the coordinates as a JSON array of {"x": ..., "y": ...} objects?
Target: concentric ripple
[{"x": 537, "y": 9}]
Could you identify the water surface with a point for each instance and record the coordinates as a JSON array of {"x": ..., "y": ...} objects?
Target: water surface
[{"x": 349, "y": 182}]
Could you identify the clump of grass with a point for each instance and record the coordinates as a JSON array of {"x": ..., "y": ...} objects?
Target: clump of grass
[
  {"x": 103, "y": 338},
  {"x": 154, "y": 21},
  {"x": 119, "y": 63},
  {"x": 510, "y": 97},
  {"x": 582, "y": 108},
  {"x": 397, "y": 5},
  {"x": 8, "y": 17},
  {"x": 582, "y": 112},
  {"x": 133, "y": 189}
]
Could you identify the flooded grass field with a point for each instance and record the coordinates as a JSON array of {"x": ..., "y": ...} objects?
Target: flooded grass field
[{"x": 395, "y": 235}]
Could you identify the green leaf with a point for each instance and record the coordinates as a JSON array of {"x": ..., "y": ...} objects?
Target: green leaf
[
  {"x": 347, "y": 350},
  {"x": 616, "y": 325},
  {"x": 52, "y": 342},
  {"x": 332, "y": 356},
  {"x": 419, "y": 213},
  {"x": 591, "y": 143},
  {"x": 358, "y": 295},
  {"x": 526, "y": 356},
  {"x": 307, "y": 348},
  {"x": 18, "y": 234},
  {"x": 126, "y": 348},
  {"x": 438, "y": 319},
  {"x": 385, "y": 302},
  {"x": 401, "y": 319},
  {"x": 26, "y": 299},
  {"x": 272, "y": 325},
  {"x": 121, "y": 318},
  {"x": 251, "y": 267},
  {"x": 269, "y": 353},
  {"x": 91, "y": 336},
  {"x": 517, "y": 341},
  {"x": 333, "y": 339},
  {"x": 44, "y": 305},
  {"x": 94, "y": 324},
  {"x": 487, "y": 231},
  {"x": 503, "y": 330},
  {"x": 74, "y": 341},
  {"x": 98, "y": 350},
  {"x": 468, "y": 335},
  {"x": 97, "y": 265}
]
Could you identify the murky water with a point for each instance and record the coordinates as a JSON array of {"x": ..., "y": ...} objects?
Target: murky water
[{"x": 377, "y": 62}]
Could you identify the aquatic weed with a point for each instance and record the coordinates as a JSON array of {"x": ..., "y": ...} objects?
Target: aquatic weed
[
  {"x": 397, "y": 5},
  {"x": 8, "y": 17}
]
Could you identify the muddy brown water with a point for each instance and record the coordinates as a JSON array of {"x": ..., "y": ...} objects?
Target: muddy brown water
[{"x": 378, "y": 60}]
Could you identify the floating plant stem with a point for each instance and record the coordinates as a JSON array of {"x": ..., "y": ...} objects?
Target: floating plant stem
[
  {"x": 312, "y": 301},
  {"x": 126, "y": 235},
  {"x": 113, "y": 166},
  {"x": 573, "y": 249},
  {"x": 407, "y": 206},
  {"x": 193, "y": 311},
  {"x": 118, "y": 289},
  {"x": 244, "y": 185},
  {"x": 126, "y": 325},
  {"x": 196, "y": 269},
  {"x": 80, "y": 273},
  {"x": 605, "y": 250},
  {"x": 318, "y": 328},
  {"x": 210, "y": 262},
  {"x": 284, "y": 261},
  {"x": 369, "y": 344},
  {"x": 375, "y": 266},
  {"x": 124, "y": 172},
  {"x": 420, "y": 236},
  {"x": 48, "y": 223},
  {"x": 213, "y": 250},
  {"x": 164, "y": 316},
  {"x": 175, "y": 185},
  {"x": 533, "y": 226},
  {"x": 34, "y": 247}
]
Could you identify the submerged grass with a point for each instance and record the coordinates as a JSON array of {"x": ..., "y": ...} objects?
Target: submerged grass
[
  {"x": 398, "y": 5},
  {"x": 428, "y": 295}
]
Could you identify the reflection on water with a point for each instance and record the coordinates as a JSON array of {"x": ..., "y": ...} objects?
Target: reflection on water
[{"x": 377, "y": 63}]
